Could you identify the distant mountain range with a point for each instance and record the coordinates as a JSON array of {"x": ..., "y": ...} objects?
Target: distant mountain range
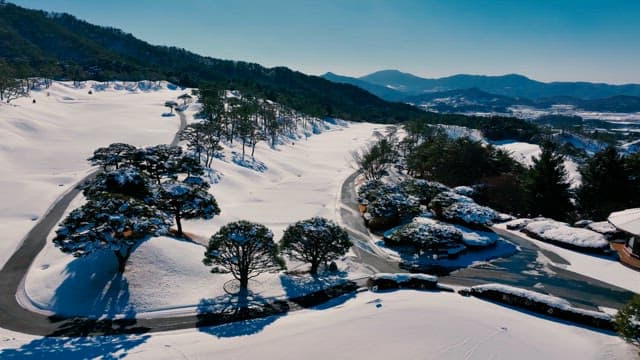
[{"x": 460, "y": 93}]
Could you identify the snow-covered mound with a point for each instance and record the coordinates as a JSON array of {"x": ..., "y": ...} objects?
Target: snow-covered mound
[
  {"x": 457, "y": 132},
  {"x": 477, "y": 238},
  {"x": 549, "y": 300},
  {"x": 423, "y": 190},
  {"x": 462, "y": 209},
  {"x": 403, "y": 277},
  {"x": 44, "y": 145},
  {"x": 427, "y": 236},
  {"x": 524, "y": 153},
  {"x": 387, "y": 204},
  {"x": 560, "y": 233},
  {"x": 471, "y": 214},
  {"x": 603, "y": 227}
]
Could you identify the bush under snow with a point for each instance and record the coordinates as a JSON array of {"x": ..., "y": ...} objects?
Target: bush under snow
[
  {"x": 387, "y": 281},
  {"x": 427, "y": 236},
  {"x": 423, "y": 190},
  {"x": 462, "y": 209},
  {"x": 559, "y": 232},
  {"x": 386, "y": 204},
  {"x": 542, "y": 303}
]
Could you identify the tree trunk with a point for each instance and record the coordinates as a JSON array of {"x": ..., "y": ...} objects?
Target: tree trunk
[
  {"x": 122, "y": 259},
  {"x": 179, "y": 224},
  {"x": 244, "y": 282},
  {"x": 314, "y": 268}
]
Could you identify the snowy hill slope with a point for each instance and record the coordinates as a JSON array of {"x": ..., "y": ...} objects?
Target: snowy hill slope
[
  {"x": 44, "y": 145},
  {"x": 300, "y": 180}
]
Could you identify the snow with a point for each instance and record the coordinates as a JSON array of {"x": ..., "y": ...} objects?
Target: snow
[
  {"x": 602, "y": 227},
  {"x": 477, "y": 238},
  {"x": 561, "y": 232},
  {"x": 402, "y": 278},
  {"x": 457, "y": 132},
  {"x": 301, "y": 180},
  {"x": 469, "y": 237},
  {"x": 413, "y": 324},
  {"x": 605, "y": 269},
  {"x": 626, "y": 220},
  {"x": 521, "y": 152},
  {"x": 470, "y": 213},
  {"x": 550, "y": 300},
  {"x": 44, "y": 146},
  {"x": 164, "y": 276},
  {"x": 464, "y": 190}
]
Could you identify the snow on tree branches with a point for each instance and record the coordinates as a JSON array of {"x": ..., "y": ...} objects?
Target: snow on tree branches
[
  {"x": 244, "y": 249},
  {"x": 109, "y": 222},
  {"x": 316, "y": 241}
]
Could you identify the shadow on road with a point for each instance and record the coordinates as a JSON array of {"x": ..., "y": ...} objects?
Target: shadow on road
[{"x": 241, "y": 314}]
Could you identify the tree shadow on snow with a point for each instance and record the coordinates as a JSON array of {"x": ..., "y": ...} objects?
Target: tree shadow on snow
[
  {"x": 86, "y": 302},
  {"x": 93, "y": 288},
  {"x": 248, "y": 162},
  {"x": 111, "y": 348},
  {"x": 241, "y": 314}
]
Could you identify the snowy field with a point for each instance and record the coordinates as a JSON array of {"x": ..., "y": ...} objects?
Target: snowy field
[
  {"x": 412, "y": 324},
  {"x": 44, "y": 146},
  {"x": 300, "y": 179}
]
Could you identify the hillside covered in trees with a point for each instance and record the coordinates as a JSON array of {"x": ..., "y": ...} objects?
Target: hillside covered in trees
[{"x": 60, "y": 46}]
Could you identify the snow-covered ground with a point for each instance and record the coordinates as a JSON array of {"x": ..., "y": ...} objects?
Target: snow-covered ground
[
  {"x": 44, "y": 146},
  {"x": 413, "y": 324},
  {"x": 523, "y": 153},
  {"x": 300, "y": 180},
  {"x": 598, "y": 267}
]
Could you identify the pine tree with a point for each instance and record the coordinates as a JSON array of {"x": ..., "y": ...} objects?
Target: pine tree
[
  {"x": 109, "y": 222},
  {"x": 244, "y": 249},
  {"x": 546, "y": 185},
  {"x": 627, "y": 321},
  {"x": 606, "y": 185},
  {"x": 113, "y": 156},
  {"x": 187, "y": 199},
  {"x": 316, "y": 241}
]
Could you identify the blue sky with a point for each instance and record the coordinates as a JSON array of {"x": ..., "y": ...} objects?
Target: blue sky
[{"x": 546, "y": 40}]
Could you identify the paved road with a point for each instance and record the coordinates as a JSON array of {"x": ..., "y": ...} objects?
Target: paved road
[
  {"x": 12, "y": 315},
  {"x": 574, "y": 287},
  {"x": 526, "y": 269}
]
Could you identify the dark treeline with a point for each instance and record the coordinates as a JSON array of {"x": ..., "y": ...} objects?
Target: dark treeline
[
  {"x": 610, "y": 180},
  {"x": 60, "y": 46}
]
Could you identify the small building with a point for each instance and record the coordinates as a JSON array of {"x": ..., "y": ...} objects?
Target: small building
[{"x": 628, "y": 221}]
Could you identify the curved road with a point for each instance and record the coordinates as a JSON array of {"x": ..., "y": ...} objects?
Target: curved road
[
  {"x": 576, "y": 288},
  {"x": 525, "y": 269},
  {"x": 12, "y": 315}
]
